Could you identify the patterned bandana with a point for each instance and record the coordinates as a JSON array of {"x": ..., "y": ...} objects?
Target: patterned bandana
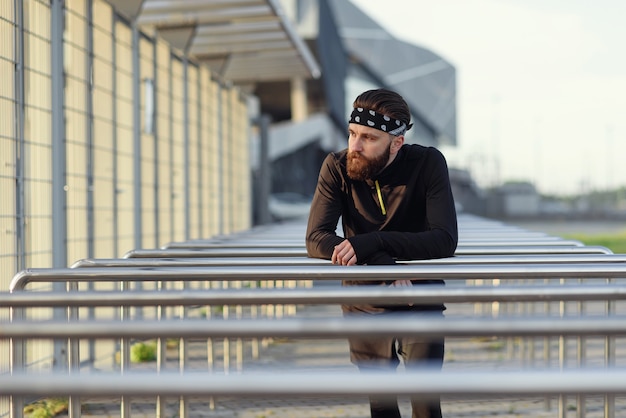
[{"x": 378, "y": 121}]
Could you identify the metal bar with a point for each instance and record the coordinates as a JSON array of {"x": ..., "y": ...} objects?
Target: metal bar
[
  {"x": 291, "y": 244},
  {"x": 297, "y": 261},
  {"x": 329, "y": 272},
  {"x": 341, "y": 295},
  {"x": 16, "y": 347},
  {"x": 19, "y": 91},
  {"x": 186, "y": 174},
  {"x": 220, "y": 160},
  {"x": 137, "y": 176},
  {"x": 59, "y": 161},
  {"x": 343, "y": 327},
  {"x": 423, "y": 382},
  {"x": 200, "y": 184},
  {"x": 301, "y": 252}
]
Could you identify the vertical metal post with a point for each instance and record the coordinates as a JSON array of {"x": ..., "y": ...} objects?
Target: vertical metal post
[
  {"x": 183, "y": 353},
  {"x": 609, "y": 355},
  {"x": 16, "y": 362},
  {"x": 124, "y": 355},
  {"x": 200, "y": 183},
  {"x": 114, "y": 138},
  {"x": 187, "y": 211},
  {"x": 155, "y": 139},
  {"x": 59, "y": 184},
  {"x": 137, "y": 196},
  {"x": 161, "y": 342},
  {"x": 73, "y": 345},
  {"x": 581, "y": 355},
  {"x": 20, "y": 149},
  {"x": 220, "y": 159},
  {"x": 161, "y": 358},
  {"x": 137, "y": 180},
  {"x": 89, "y": 129},
  {"x": 170, "y": 142},
  {"x": 547, "y": 349},
  {"x": 184, "y": 349},
  {"x": 264, "y": 185},
  {"x": 562, "y": 357},
  {"x": 210, "y": 347}
]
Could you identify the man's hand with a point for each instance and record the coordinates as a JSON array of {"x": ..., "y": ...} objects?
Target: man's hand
[
  {"x": 344, "y": 254},
  {"x": 401, "y": 283}
]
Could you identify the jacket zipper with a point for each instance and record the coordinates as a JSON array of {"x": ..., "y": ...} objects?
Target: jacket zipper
[{"x": 380, "y": 198}]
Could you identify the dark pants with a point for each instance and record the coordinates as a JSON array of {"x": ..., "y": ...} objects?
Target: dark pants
[{"x": 381, "y": 354}]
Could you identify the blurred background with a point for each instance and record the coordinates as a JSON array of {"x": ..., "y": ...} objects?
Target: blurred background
[{"x": 525, "y": 98}]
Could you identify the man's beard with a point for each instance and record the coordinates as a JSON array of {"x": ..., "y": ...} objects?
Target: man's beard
[{"x": 361, "y": 168}]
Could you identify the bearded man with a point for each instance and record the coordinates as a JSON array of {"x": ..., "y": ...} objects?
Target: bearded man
[{"x": 395, "y": 203}]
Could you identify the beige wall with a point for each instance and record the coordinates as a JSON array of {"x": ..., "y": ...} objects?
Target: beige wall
[{"x": 199, "y": 144}]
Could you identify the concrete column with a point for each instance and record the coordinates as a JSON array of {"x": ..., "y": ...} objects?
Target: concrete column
[{"x": 299, "y": 105}]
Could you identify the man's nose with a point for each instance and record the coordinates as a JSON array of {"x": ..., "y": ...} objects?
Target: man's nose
[{"x": 356, "y": 144}]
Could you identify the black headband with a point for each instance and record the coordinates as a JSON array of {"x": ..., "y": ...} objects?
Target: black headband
[{"x": 367, "y": 117}]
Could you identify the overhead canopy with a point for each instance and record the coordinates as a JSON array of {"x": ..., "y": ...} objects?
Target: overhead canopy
[{"x": 244, "y": 41}]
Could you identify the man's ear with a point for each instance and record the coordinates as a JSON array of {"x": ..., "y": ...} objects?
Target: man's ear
[{"x": 396, "y": 143}]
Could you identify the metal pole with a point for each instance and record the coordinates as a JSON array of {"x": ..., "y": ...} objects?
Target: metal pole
[
  {"x": 20, "y": 149},
  {"x": 137, "y": 177},
  {"x": 137, "y": 198},
  {"x": 17, "y": 355},
  {"x": 264, "y": 180},
  {"x": 321, "y": 272},
  {"x": 59, "y": 181},
  {"x": 323, "y": 295},
  {"x": 425, "y": 382},
  {"x": 220, "y": 161},
  {"x": 187, "y": 197},
  {"x": 316, "y": 328}
]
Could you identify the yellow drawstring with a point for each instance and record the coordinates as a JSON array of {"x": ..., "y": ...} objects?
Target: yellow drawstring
[{"x": 380, "y": 198}]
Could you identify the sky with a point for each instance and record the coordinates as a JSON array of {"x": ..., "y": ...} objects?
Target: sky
[{"x": 541, "y": 86}]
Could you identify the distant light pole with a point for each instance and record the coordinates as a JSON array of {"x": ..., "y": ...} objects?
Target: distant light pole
[
  {"x": 609, "y": 156},
  {"x": 495, "y": 139}
]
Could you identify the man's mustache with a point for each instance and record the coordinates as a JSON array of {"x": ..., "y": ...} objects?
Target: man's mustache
[{"x": 354, "y": 155}]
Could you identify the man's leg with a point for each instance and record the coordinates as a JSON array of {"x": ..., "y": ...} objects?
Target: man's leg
[
  {"x": 421, "y": 354},
  {"x": 375, "y": 355}
]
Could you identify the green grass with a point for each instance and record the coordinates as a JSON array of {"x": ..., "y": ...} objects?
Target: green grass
[
  {"x": 143, "y": 352},
  {"x": 46, "y": 408},
  {"x": 615, "y": 242}
]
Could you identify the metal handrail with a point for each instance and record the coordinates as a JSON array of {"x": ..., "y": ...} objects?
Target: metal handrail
[
  {"x": 303, "y": 261},
  {"x": 327, "y": 272},
  {"x": 341, "y": 327},
  {"x": 212, "y": 264},
  {"x": 424, "y": 382},
  {"x": 463, "y": 242},
  {"x": 301, "y": 252},
  {"x": 425, "y": 294}
]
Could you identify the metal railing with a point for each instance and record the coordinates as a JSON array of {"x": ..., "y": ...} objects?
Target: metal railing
[{"x": 497, "y": 253}]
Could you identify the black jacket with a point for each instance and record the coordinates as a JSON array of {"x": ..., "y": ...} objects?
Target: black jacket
[{"x": 420, "y": 221}]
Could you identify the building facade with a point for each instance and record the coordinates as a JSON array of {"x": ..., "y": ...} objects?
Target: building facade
[
  {"x": 125, "y": 124},
  {"x": 355, "y": 54}
]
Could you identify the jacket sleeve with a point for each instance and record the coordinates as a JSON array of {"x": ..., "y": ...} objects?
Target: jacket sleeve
[
  {"x": 326, "y": 207},
  {"x": 441, "y": 237}
]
